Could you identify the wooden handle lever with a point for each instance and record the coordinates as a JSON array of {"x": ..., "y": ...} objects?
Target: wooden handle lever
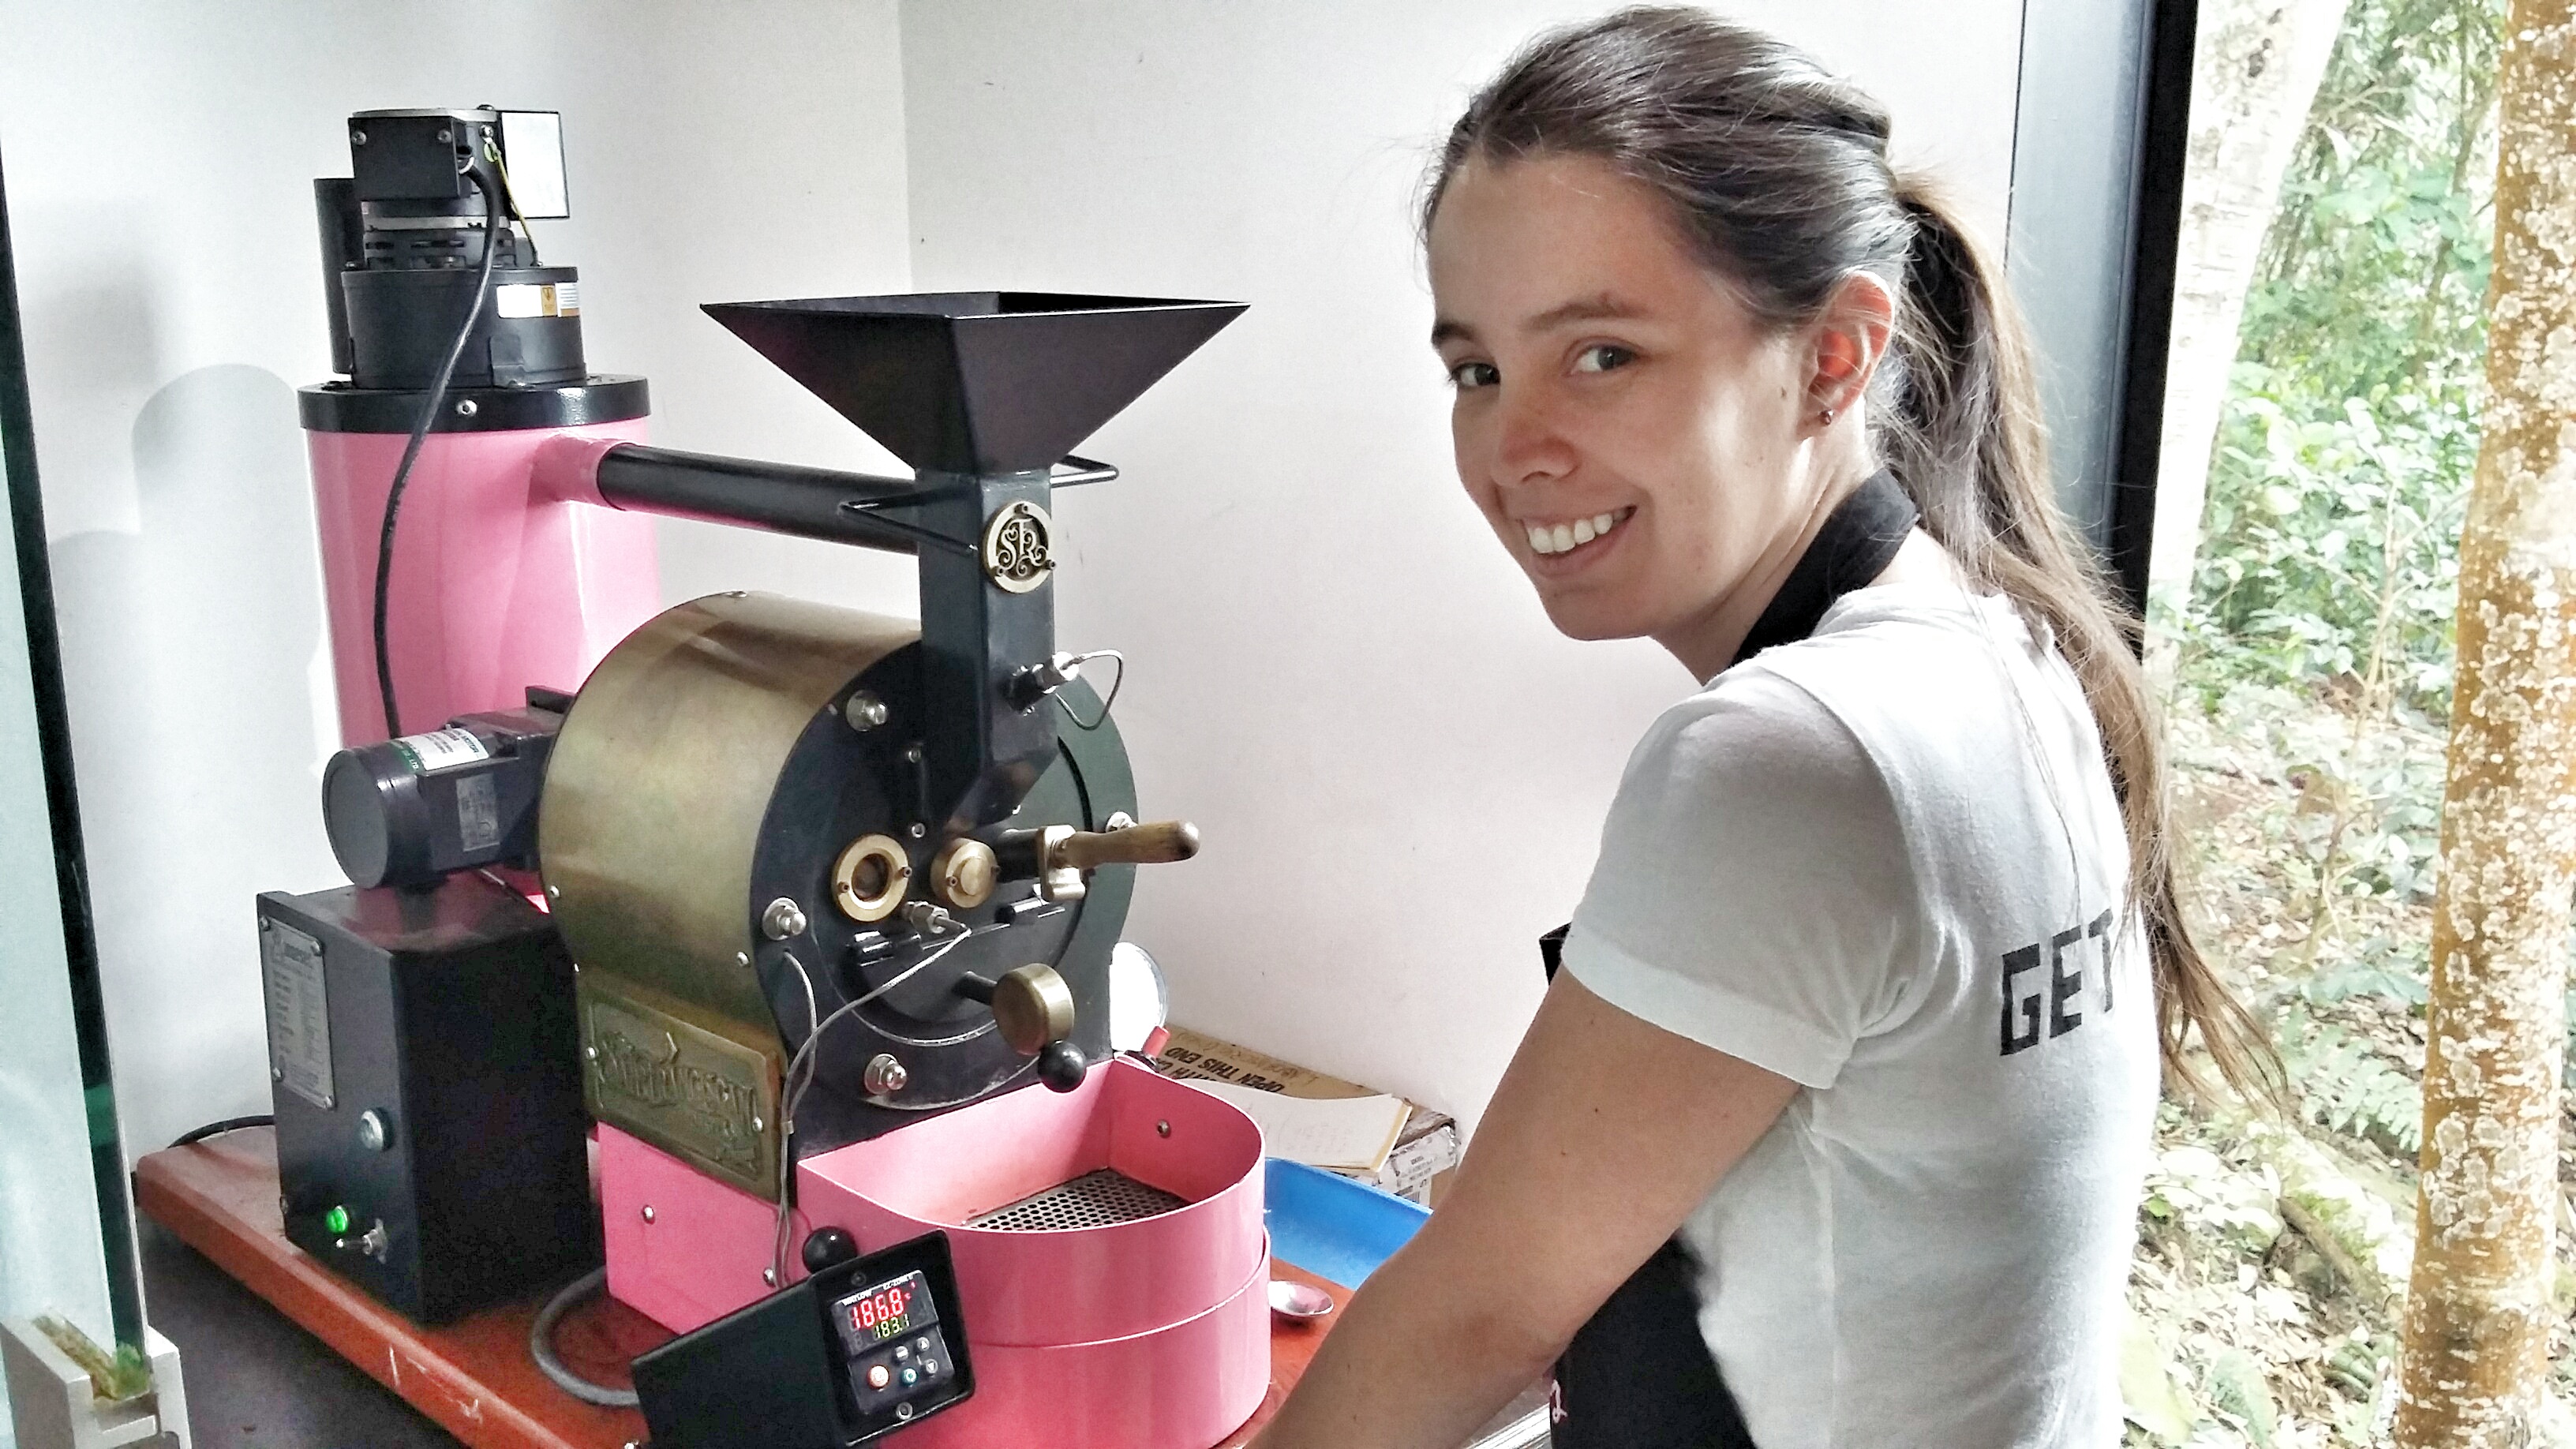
[{"x": 1155, "y": 842}]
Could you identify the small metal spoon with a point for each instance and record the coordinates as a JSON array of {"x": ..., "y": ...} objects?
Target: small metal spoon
[{"x": 1300, "y": 1302}]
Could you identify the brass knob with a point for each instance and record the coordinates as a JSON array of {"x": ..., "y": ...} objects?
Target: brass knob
[
  {"x": 871, "y": 878},
  {"x": 1032, "y": 1006},
  {"x": 963, "y": 873}
]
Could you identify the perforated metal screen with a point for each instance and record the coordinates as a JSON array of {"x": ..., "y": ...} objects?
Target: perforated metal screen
[{"x": 1093, "y": 1200}]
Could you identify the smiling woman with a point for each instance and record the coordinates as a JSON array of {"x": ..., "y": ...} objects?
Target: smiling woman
[
  {"x": 1830, "y": 1130},
  {"x": 1659, "y": 397}
]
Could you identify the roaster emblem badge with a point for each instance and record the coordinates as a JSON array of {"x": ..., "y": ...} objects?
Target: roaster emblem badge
[
  {"x": 1019, "y": 547},
  {"x": 687, "y": 1090}
]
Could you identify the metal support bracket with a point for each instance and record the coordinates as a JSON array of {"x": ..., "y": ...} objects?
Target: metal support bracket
[{"x": 51, "y": 1405}]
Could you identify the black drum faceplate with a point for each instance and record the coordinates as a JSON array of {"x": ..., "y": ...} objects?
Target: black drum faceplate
[{"x": 840, "y": 784}]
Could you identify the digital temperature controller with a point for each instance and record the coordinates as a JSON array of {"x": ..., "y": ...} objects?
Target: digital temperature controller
[
  {"x": 888, "y": 1310},
  {"x": 865, "y": 1347}
]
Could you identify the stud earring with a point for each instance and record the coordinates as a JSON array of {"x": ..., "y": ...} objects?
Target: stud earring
[{"x": 1825, "y": 418}]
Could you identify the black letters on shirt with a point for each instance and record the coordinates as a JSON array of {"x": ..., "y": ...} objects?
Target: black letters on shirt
[
  {"x": 2065, "y": 983},
  {"x": 2062, "y": 987},
  {"x": 2015, "y": 963}
]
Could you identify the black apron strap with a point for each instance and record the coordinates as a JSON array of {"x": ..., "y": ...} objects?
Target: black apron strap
[
  {"x": 1638, "y": 1374},
  {"x": 1860, "y": 538}
]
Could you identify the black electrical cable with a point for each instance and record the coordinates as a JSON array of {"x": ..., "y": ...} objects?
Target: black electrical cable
[
  {"x": 541, "y": 1345},
  {"x": 217, "y": 1129},
  {"x": 494, "y": 207}
]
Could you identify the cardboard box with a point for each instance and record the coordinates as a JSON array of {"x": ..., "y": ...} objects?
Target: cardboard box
[{"x": 1426, "y": 1151}]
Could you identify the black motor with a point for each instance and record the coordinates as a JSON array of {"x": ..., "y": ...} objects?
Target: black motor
[{"x": 403, "y": 241}]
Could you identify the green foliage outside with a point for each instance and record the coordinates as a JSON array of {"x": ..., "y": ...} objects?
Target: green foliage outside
[
  {"x": 2316, "y": 645},
  {"x": 2329, "y": 551},
  {"x": 2309, "y": 690}
]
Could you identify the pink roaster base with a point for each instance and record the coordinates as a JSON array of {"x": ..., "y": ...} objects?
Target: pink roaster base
[
  {"x": 497, "y": 583},
  {"x": 702, "y": 1252},
  {"x": 1151, "y": 1334}
]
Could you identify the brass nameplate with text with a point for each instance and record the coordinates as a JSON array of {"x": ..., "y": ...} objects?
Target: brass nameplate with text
[{"x": 695, "y": 1093}]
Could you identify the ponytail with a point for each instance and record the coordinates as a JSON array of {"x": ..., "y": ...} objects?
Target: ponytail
[
  {"x": 1959, "y": 425},
  {"x": 1777, "y": 171}
]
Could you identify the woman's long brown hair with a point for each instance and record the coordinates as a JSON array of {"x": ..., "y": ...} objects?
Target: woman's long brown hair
[{"x": 1777, "y": 173}]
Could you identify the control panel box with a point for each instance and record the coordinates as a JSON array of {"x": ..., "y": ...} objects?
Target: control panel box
[
  {"x": 425, "y": 1066},
  {"x": 860, "y": 1349}
]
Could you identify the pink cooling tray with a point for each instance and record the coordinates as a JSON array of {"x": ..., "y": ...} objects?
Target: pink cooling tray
[{"x": 1151, "y": 1333}]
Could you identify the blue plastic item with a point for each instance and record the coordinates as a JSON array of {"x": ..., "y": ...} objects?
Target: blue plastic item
[{"x": 1330, "y": 1226}]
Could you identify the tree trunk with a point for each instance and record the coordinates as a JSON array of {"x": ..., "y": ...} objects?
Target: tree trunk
[
  {"x": 2254, "y": 75},
  {"x": 2478, "y": 1310}
]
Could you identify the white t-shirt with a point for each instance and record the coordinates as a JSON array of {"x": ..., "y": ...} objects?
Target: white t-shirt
[{"x": 1886, "y": 862}]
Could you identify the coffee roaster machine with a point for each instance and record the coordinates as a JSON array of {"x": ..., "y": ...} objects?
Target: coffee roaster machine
[{"x": 807, "y": 918}]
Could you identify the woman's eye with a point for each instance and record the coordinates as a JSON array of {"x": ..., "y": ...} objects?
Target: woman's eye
[
  {"x": 1602, "y": 357},
  {"x": 1474, "y": 374}
]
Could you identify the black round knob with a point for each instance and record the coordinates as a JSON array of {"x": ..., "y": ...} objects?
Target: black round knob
[
  {"x": 829, "y": 1248},
  {"x": 1060, "y": 1066}
]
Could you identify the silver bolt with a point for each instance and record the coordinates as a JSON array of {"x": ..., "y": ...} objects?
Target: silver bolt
[
  {"x": 1162, "y": 1129},
  {"x": 783, "y": 919},
  {"x": 742, "y": 958},
  {"x": 864, "y": 711},
  {"x": 885, "y": 1075},
  {"x": 373, "y": 1134},
  {"x": 912, "y": 754},
  {"x": 466, "y": 408},
  {"x": 918, "y": 830},
  {"x": 276, "y": 1074},
  {"x": 591, "y": 1052},
  {"x": 769, "y": 1276},
  {"x": 757, "y": 1125},
  {"x": 554, "y": 893},
  {"x": 446, "y": 135},
  {"x": 648, "y": 1212},
  {"x": 357, "y": 138}
]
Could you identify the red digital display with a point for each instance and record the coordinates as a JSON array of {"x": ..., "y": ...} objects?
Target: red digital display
[{"x": 887, "y": 1309}]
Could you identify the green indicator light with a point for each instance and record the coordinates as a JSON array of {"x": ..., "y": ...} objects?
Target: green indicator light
[{"x": 337, "y": 1220}]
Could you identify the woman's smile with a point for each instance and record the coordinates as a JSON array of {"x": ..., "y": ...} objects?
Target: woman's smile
[{"x": 1561, "y": 548}]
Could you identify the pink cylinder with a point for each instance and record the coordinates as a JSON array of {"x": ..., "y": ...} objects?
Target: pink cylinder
[
  {"x": 497, "y": 584},
  {"x": 1147, "y": 1334},
  {"x": 1187, "y": 1385}
]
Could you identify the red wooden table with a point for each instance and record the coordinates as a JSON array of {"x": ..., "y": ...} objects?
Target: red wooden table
[{"x": 474, "y": 1376}]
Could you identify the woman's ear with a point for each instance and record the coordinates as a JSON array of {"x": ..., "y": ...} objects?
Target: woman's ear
[{"x": 1847, "y": 340}]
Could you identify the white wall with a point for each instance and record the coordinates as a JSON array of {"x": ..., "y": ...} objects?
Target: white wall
[
  {"x": 159, "y": 161},
  {"x": 1399, "y": 767}
]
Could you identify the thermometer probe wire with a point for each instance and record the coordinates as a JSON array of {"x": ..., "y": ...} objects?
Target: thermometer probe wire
[{"x": 796, "y": 1083}]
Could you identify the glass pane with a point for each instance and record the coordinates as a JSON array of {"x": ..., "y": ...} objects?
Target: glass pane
[{"x": 52, "y": 1256}]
